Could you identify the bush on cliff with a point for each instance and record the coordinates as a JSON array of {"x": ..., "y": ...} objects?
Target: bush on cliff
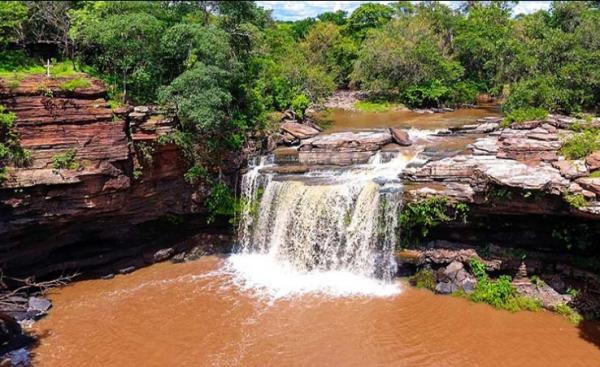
[
  {"x": 11, "y": 152},
  {"x": 419, "y": 217}
]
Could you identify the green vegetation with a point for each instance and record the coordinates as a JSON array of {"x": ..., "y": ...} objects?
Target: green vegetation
[
  {"x": 65, "y": 160},
  {"x": 595, "y": 174},
  {"x": 524, "y": 114},
  {"x": 15, "y": 72},
  {"x": 424, "y": 278},
  {"x": 575, "y": 200},
  {"x": 419, "y": 217},
  {"x": 11, "y": 152},
  {"x": 579, "y": 145},
  {"x": 568, "y": 312},
  {"x": 499, "y": 293},
  {"x": 73, "y": 84},
  {"x": 376, "y": 106}
]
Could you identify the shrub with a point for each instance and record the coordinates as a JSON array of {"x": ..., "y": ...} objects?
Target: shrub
[
  {"x": 425, "y": 95},
  {"x": 73, "y": 84},
  {"x": 524, "y": 114},
  {"x": 418, "y": 218},
  {"x": 424, "y": 278},
  {"x": 568, "y": 312},
  {"x": 499, "y": 293},
  {"x": 11, "y": 151},
  {"x": 299, "y": 104},
  {"x": 220, "y": 201},
  {"x": 65, "y": 160},
  {"x": 581, "y": 144},
  {"x": 195, "y": 174}
]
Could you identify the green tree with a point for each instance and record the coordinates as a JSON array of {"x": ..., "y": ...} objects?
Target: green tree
[
  {"x": 12, "y": 15},
  {"x": 338, "y": 17},
  {"x": 123, "y": 46},
  {"x": 368, "y": 16}
]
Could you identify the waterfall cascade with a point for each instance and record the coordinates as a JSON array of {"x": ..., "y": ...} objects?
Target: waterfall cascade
[{"x": 342, "y": 220}]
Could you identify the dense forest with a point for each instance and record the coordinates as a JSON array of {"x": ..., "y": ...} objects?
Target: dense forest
[{"x": 224, "y": 67}]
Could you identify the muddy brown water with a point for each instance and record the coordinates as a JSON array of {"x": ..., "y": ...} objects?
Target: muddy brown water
[
  {"x": 337, "y": 120},
  {"x": 193, "y": 314}
]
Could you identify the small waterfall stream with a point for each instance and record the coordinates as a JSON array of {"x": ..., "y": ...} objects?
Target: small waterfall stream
[{"x": 325, "y": 228}]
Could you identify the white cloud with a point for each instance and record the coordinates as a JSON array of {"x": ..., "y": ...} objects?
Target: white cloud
[{"x": 294, "y": 10}]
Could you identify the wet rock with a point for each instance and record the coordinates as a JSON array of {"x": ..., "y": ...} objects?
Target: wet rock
[
  {"x": 158, "y": 256},
  {"x": 299, "y": 131},
  {"x": 454, "y": 278},
  {"x": 17, "y": 358},
  {"x": 38, "y": 304},
  {"x": 127, "y": 270},
  {"x": 400, "y": 137},
  {"x": 593, "y": 161},
  {"x": 571, "y": 169}
]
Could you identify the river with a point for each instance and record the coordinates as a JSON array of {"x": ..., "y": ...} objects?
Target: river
[{"x": 199, "y": 314}]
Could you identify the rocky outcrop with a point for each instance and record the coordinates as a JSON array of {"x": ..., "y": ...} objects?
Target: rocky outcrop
[
  {"x": 400, "y": 137},
  {"x": 299, "y": 131},
  {"x": 118, "y": 178},
  {"x": 524, "y": 157}
]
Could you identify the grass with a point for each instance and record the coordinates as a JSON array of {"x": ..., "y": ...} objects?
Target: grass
[
  {"x": 581, "y": 144},
  {"x": 520, "y": 115},
  {"x": 18, "y": 73},
  {"x": 424, "y": 278},
  {"x": 73, "y": 84},
  {"x": 595, "y": 174},
  {"x": 376, "y": 106},
  {"x": 565, "y": 310}
]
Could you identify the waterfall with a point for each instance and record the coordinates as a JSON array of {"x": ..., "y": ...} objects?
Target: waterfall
[{"x": 325, "y": 221}]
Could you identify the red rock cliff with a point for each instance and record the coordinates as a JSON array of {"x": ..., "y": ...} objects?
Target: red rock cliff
[{"x": 120, "y": 177}]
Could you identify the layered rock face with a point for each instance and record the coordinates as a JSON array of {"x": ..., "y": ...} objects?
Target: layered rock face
[
  {"x": 523, "y": 157},
  {"x": 116, "y": 177}
]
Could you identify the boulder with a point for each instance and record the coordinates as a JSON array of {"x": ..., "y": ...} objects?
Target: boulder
[
  {"x": 400, "y": 136},
  {"x": 299, "y": 131},
  {"x": 454, "y": 278},
  {"x": 593, "y": 161},
  {"x": 39, "y": 304}
]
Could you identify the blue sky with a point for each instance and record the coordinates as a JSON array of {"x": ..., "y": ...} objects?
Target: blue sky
[{"x": 294, "y": 10}]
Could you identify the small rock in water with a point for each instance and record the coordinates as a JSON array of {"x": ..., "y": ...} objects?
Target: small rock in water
[
  {"x": 127, "y": 270},
  {"x": 163, "y": 254},
  {"x": 39, "y": 304},
  {"x": 108, "y": 276},
  {"x": 17, "y": 358}
]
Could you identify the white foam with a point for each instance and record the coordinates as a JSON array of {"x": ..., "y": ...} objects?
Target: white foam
[{"x": 275, "y": 279}]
